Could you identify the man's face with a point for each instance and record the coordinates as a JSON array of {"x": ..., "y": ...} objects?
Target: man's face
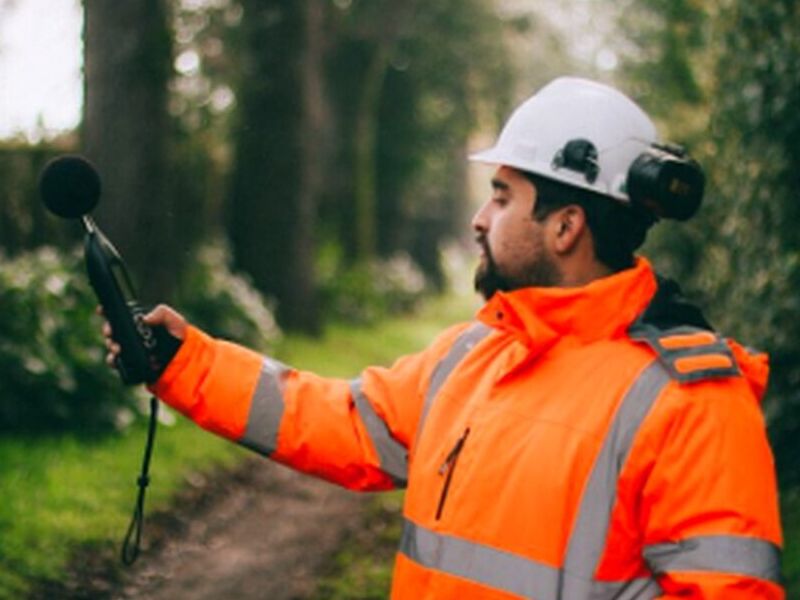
[{"x": 513, "y": 248}]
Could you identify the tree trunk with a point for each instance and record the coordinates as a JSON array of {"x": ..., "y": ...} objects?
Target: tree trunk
[
  {"x": 365, "y": 176},
  {"x": 127, "y": 65},
  {"x": 396, "y": 16},
  {"x": 280, "y": 154}
]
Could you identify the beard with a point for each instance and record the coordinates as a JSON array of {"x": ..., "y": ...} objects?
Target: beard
[{"x": 540, "y": 271}]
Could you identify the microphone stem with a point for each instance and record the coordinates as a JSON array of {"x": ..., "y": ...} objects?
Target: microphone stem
[{"x": 89, "y": 224}]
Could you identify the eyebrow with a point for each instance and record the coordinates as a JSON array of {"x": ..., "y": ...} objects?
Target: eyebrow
[{"x": 499, "y": 184}]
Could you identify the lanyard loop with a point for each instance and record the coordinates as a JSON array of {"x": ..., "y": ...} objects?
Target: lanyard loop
[{"x": 132, "y": 542}]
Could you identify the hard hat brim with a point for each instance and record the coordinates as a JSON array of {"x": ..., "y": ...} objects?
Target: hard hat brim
[
  {"x": 498, "y": 156},
  {"x": 572, "y": 110}
]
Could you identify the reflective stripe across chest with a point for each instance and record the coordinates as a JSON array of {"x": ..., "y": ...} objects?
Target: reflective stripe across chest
[
  {"x": 511, "y": 572},
  {"x": 458, "y": 351}
]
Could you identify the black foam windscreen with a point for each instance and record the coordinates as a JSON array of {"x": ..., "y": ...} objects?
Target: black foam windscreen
[{"x": 69, "y": 186}]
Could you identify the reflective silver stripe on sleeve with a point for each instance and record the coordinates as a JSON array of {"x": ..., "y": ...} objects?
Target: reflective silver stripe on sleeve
[
  {"x": 508, "y": 572},
  {"x": 738, "y": 555},
  {"x": 392, "y": 454},
  {"x": 266, "y": 409},
  {"x": 465, "y": 342}
]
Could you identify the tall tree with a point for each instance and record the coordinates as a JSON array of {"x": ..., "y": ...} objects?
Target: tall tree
[
  {"x": 280, "y": 152},
  {"x": 742, "y": 252},
  {"x": 381, "y": 27},
  {"x": 406, "y": 100},
  {"x": 448, "y": 98},
  {"x": 757, "y": 126},
  {"x": 127, "y": 67}
]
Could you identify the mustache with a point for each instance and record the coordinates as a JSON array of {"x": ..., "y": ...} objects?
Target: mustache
[
  {"x": 483, "y": 242},
  {"x": 488, "y": 280}
]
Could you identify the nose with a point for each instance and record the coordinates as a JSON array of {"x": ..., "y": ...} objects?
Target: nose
[{"x": 480, "y": 220}]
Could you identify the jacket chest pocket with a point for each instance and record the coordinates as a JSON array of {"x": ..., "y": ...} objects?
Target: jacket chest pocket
[
  {"x": 519, "y": 479},
  {"x": 447, "y": 470}
]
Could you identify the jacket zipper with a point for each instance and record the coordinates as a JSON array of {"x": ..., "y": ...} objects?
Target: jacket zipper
[{"x": 447, "y": 469}]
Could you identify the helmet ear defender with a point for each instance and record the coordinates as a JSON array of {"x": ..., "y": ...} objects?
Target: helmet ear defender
[
  {"x": 667, "y": 182},
  {"x": 663, "y": 179},
  {"x": 588, "y": 135}
]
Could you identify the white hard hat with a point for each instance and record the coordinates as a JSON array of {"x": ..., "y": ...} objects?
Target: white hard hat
[{"x": 576, "y": 131}]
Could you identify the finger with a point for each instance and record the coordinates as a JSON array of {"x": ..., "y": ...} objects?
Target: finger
[
  {"x": 172, "y": 320},
  {"x": 107, "y": 329},
  {"x": 160, "y": 314}
]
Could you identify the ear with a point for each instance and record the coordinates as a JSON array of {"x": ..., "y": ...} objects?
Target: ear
[{"x": 569, "y": 228}]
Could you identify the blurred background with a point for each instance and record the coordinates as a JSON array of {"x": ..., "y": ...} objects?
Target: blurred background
[{"x": 277, "y": 165}]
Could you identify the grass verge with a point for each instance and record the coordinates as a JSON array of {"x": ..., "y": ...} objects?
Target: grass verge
[
  {"x": 62, "y": 492},
  {"x": 65, "y": 493},
  {"x": 363, "y": 566}
]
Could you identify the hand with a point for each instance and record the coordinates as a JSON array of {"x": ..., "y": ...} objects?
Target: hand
[{"x": 164, "y": 315}]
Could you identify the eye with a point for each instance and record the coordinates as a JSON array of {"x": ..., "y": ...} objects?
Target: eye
[{"x": 500, "y": 200}]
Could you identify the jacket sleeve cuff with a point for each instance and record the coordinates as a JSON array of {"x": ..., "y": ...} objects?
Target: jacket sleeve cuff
[{"x": 195, "y": 351}]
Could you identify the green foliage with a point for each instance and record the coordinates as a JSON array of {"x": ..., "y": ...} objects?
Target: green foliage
[
  {"x": 225, "y": 303},
  {"x": 434, "y": 100},
  {"x": 430, "y": 100},
  {"x": 741, "y": 254},
  {"x": 390, "y": 100},
  {"x": 53, "y": 376},
  {"x": 363, "y": 566},
  {"x": 664, "y": 58},
  {"x": 367, "y": 291},
  {"x": 790, "y": 509},
  {"x": 346, "y": 348},
  {"x": 206, "y": 45},
  {"x": 63, "y": 494},
  {"x": 758, "y": 125},
  {"x": 52, "y": 369},
  {"x": 24, "y": 222}
]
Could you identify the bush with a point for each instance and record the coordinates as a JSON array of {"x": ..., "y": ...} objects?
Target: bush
[
  {"x": 364, "y": 292},
  {"x": 53, "y": 376},
  {"x": 52, "y": 370},
  {"x": 225, "y": 303}
]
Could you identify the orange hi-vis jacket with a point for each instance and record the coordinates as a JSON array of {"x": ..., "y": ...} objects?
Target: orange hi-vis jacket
[{"x": 572, "y": 443}]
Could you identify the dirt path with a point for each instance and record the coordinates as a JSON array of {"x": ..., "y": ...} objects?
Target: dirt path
[{"x": 261, "y": 532}]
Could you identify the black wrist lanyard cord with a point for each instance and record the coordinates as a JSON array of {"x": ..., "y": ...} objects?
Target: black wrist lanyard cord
[{"x": 132, "y": 543}]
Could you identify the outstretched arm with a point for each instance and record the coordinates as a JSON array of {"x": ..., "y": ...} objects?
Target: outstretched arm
[{"x": 356, "y": 433}]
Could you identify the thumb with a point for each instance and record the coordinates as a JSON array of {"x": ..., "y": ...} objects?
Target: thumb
[{"x": 168, "y": 318}]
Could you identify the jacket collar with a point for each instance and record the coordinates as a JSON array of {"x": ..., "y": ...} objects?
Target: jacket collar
[{"x": 602, "y": 309}]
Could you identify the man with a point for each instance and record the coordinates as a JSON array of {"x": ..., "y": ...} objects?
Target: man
[{"x": 587, "y": 436}]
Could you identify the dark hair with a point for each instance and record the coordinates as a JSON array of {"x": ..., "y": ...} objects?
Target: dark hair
[{"x": 617, "y": 229}]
